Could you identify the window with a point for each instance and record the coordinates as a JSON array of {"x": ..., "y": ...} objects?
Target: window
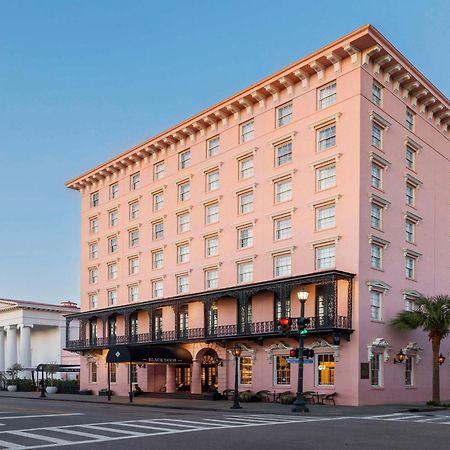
[
  {"x": 133, "y": 293},
  {"x": 157, "y": 288},
  {"x": 376, "y": 216},
  {"x": 410, "y": 303},
  {"x": 283, "y": 228},
  {"x": 183, "y": 321},
  {"x": 410, "y": 157},
  {"x": 246, "y": 168},
  {"x": 326, "y": 177},
  {"x": 325, "y": 366},
  {"x": 283, "y": 190},
  {"x": 113, "y": 191},
  {"x": 326, "y": 217},
  {"x": 133, "y": 373},
  {"x": 158, "y": 230},
  {"x": 158, "y": 201},
  {"x": 213, "y": 319},
  {"x": 327, "y": 96},
  {"x": 245, "y": 237},
  {"x": 113, "y": 245},
  {"x": 410, "y": 266},
  {"x": 93, "y": 224},
  {"x": 326, "y": 137},
  {"x": 182, "y": 284},
  {"x": 282, "y": 308},
  {"x": 184, "y": 222},
  {"x": 93, "y": 250},
  {"x": 376, "y": 179},
  {"x": 247, "y": 131},
  {"x": 212, "y": 181},
  {"x": 93, "y": 301},
  {"x": 113, "y": 218},
  {"x": 93, "y": 372},
  {"x": 245, "y": 202},
  {"x": 212, "y": 213},
  {"x": 158, "y": 170},
  {"x": 157, "y": 259},
  {"x": 112, "y": 271},
  {"x": 113, "y": 373},
  {"x": 282, "y": 371},
  {"x": 409, "y": 371},
  {"x": 284, "y": 114},
  {"x": 410, "y": 194},
  {"x": 112, "y": 297},
  {"x": 377, "y": 93},
  {"x": 213, "y": 146},
  {"x": 376, "y": 256},
  {"x": 184, "y": 159},
  {"x": 93, "y": 275},
  {"x": 112, "y": 327},
  {"x": 133, "y": 238},
  {"x": 282, "y": 265},
  {"x": 135, "y": 181},
  {"x": 157, "y": 324},
  {"x": 283, "y": 153},
  {"x": 211, "y": 246},
  {"x": 133, "y": 265},
  {"x": 375, "y": 305},
  {"x": 94, "y": 199},
  {"x": 377, "y": 136},
  {"x": 325, "y": 257},
  {"x": 184, "y": 191},
  {"x": 134, "y": 210},
  {"x": 211, "y": 279},
  {"x": 182, "y": 253},
  {"x": 375, "y": 369},
  {"x": 245, "y": 272},
  {"x": 409, "y": 119},
  {"x": 245, "y": 370},
  {"x": 410, "y": 228}
]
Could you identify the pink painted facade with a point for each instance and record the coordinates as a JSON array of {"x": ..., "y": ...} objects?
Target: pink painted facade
[{"x": 330, "y": 175}]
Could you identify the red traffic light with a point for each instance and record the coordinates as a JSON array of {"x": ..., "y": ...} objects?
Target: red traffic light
[
  {"x": 285, "y": 322},
  {"x": 293, "y": 353},
  {"x": 284, "y": 325}
]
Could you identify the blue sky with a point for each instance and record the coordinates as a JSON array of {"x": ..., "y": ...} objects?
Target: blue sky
[{"x": 83, "y": 80}]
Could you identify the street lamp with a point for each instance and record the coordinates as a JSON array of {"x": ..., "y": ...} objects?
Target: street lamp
[
  {"x": 441, "y": 359},
  {"x": 299, "y": 403},
  {"x": 236, "y": 352}
]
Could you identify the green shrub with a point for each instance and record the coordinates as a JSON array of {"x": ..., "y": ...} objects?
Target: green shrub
[
  {"x": 433, "y": 403},
  {"x": 25, "y": 385},
  {"x": 287, "y": 399},
  {"x": 67, "y": 386},
  {"x": 246, "y": 396}
]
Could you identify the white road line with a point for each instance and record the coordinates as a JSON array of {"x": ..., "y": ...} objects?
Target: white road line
[
  {"x": 405, "y": 418},
  {"x": 147, "y": 427},
  {"x": 112, "y": 430},
  {"x": 192, "y": 421},
  {"x": 39, "y": 437},
  {"x": 10, "y": 445},
  {"x": 34, "y": 416},
  {"x": 166, "y": 422},
  {"x": 430, "y": 419},
  {"x": 267, "y": 419},
  {"x": 79, "y": 433}
]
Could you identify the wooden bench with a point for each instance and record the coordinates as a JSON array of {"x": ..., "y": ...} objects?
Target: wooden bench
[{"x": 322, "y": 398}]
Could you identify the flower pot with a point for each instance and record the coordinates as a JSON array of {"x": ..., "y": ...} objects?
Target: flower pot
[
  {"x": 12, "y": 388},
  {"x": 51, "y": 389}
]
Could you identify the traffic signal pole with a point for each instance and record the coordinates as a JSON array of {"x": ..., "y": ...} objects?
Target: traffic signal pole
[{"x": 299, "y": 403}]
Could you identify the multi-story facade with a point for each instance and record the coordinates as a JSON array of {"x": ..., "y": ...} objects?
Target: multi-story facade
[{"x": 330, "y": 175}]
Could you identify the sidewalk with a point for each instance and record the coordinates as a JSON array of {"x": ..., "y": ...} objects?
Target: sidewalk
[{"x": 224, "y": 405}]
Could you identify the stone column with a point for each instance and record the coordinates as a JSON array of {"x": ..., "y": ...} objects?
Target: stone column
[
  {"x": 11, "y": 346},
  {"x": 196, "y": 378},
  {"x": 25, "y": 347},
  {"x": 170, "y": 378},
  {"x": 2, "y": 350}
]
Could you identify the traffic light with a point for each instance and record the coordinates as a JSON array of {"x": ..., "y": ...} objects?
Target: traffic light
[
  {"x": 303, "y": 322},
  {"x": 308, "y": 353},
  {"x": 284, "y": 325},
  {"x": 293, "y": 353}
]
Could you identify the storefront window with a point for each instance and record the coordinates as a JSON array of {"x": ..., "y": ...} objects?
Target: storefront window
[
  {"x": 113, "y": 373},
  {"x": 282, "y": 371},
  {"x": 325, "y": 369},
  {"x": 133, "y": 373},
  {"x": 245, "y": 370}
]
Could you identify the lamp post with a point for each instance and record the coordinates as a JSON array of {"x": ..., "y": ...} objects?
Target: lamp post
[
  {"x": 299, "y": 403},
  {"x": 236, "y": 352}
]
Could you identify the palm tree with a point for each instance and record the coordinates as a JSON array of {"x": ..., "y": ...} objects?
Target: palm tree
[{"x": 432, "y": 314}]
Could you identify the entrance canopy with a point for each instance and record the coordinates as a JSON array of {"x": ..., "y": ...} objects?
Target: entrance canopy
[{"x": 153, "y": 354}]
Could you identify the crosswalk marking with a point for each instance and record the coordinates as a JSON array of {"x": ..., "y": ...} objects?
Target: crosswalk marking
[
  {"x": 35, "y": 416},
  {"x": 112, "y": 430},
  {"x": 79, "y": 433},
  {"x": 10, "y": 445},
  {"x": 39, "y": 437}
]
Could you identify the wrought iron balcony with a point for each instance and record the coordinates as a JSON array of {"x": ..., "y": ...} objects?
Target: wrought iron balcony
[{"x": 325, "y": 324}]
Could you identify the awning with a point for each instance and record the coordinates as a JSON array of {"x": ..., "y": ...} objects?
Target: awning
[{"x": 153, "y": 354}]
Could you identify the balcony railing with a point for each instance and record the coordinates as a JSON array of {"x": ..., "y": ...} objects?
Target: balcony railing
[{"x": 255, "y": 329}]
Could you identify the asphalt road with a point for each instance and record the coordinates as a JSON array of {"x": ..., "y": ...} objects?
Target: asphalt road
[{"x": 28, "y": 424}]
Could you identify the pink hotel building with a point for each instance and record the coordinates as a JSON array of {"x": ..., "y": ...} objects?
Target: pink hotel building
[{"x": 331, "y": 175}]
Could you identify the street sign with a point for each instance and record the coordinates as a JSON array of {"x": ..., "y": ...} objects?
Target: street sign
[
  {"x": 296, "y": 361},
  {"x": 308, "y": 361}
]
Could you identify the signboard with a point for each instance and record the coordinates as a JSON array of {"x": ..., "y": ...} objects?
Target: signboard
[
  {"x": 308, "y": 361},
  {"x": 296, "y": 361}
]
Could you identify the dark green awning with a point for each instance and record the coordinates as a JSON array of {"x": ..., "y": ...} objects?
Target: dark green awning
[{"x": 153, "y": 354}]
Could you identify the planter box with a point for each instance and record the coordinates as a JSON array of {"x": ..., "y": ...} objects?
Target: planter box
[
  {"x": 51, "y": 389},
  {"x": 104, "y": 393},
  {"x": 12, "y": 388},
  {"x": 86, "y": 392}
]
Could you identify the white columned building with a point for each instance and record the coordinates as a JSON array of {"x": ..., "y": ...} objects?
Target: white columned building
[{"x": 34, "y": 333}]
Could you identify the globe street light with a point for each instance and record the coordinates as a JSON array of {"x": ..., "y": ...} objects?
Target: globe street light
[
  {"x": 299, "y": 403},
  {"x": 236, "y": 352}
]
